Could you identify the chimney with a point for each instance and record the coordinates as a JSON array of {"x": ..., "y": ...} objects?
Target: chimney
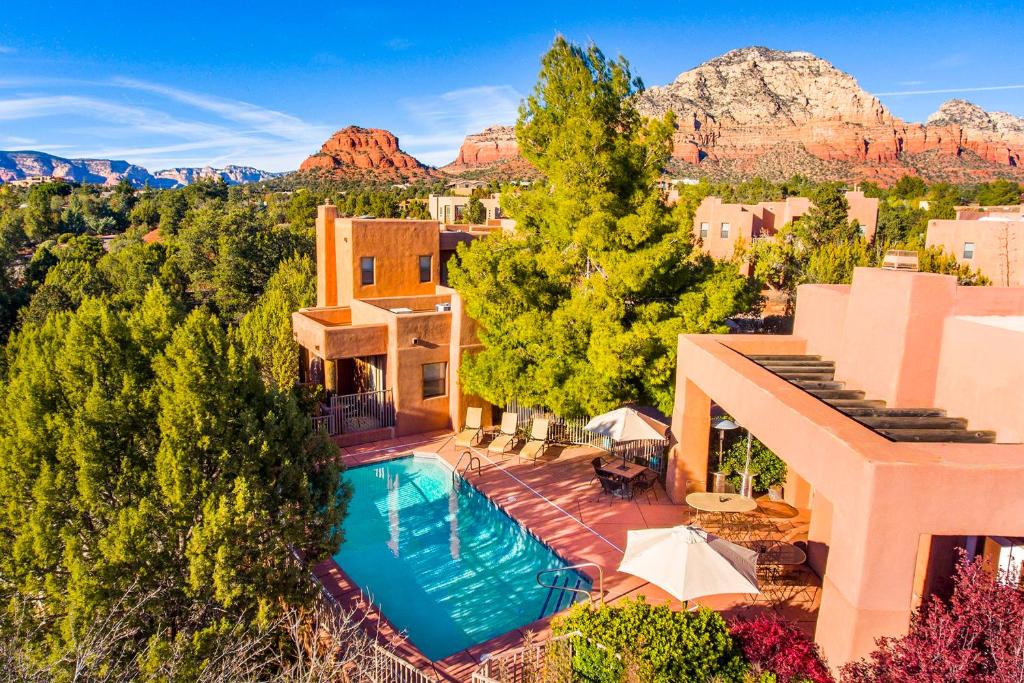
[{"x": 326, "y": 260}]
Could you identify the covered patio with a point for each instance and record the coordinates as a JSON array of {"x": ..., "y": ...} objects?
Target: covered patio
[{"x": 558, "y": 500}]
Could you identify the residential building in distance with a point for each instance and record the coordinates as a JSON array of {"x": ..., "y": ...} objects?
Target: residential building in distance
[
  {"x": 896, "y": 405},
  {"x": 448, "y": 209},
  {"x": 719, "y": 226},
  {"x": 386, "y": 337},
  {"x": 990, "y": 239}
]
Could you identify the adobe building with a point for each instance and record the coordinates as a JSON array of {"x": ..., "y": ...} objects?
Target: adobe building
[
  {"x": 896, "y": 404},
  {"x": 448, "y": 209},
  {"x": 386, "y": 337},
  {"x": 720, "y": 226},
  {"x": 989, "y": 239}
]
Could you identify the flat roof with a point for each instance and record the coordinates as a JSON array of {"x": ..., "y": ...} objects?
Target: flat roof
[{"x": 1014, "y": 323}]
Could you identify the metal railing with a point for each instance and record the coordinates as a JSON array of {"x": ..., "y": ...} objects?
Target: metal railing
[
  {"x": 348, "y": 413},
  {"x": 545, "y": 662},
  {"x": 555, "y": 570},
  {"x": 473, "y": 460},
  {"x": 650, "y": 453},
  {"x": 387, "y": 667}
]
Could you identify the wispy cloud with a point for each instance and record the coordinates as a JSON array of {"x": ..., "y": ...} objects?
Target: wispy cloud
[
  {"x": 204, "y": 130},
  {"x": 444, "y": 120},
  {"x": 941, "y": 91},
  {"x": 7, "y": 50},
  {"x": 397, "y": 44}
]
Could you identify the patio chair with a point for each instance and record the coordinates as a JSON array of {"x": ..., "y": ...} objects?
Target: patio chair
[
  {"x": 645, "y": 484},
  {"x": 611, "y": 486},
  {"x": 506, "y": 437},
  {"x": 597, "y": 464},
  {"x": 471, "y": 431},
  {"x": 538, "y": 442}
]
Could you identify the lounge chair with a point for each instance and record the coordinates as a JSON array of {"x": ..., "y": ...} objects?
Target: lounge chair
[
  {"x": 534, "y": 448},
  {"x": 472, "y": 431},
  {"x": 506, "y": 437}
]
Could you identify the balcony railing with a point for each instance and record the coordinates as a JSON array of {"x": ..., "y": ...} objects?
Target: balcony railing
[{"x": 349, "y": 413}]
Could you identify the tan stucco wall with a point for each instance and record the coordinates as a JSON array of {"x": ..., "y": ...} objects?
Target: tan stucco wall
[{"x": 998, "y": 247}]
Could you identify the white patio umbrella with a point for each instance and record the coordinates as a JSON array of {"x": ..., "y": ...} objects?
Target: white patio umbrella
[
  {"x": 626, "y": 424},
  {"x": 689, "y": 562}
]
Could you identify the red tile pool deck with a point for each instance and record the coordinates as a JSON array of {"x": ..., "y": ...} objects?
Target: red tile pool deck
[{"x": 555, "y": 500}]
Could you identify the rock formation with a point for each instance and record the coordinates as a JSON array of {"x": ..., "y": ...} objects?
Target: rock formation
[
  {"x": 757, "y": 111},
  {"x": 355, "y": 152},
  {"x": 20, "y": 165}
]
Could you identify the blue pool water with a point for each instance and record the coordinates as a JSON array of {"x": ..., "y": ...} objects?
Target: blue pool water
[{"x": 440, "y": 561}]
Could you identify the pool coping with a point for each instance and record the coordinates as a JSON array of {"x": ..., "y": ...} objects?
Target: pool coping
[{"x": 330, "y": 574}]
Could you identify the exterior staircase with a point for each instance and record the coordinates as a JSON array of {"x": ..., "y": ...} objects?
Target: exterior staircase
[{"x": 817, "y": 377}]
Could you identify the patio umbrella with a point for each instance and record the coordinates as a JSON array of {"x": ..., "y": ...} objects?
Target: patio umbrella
[
  {"x": 626, "y": 424},
  {"x": 689, "y": 562}
]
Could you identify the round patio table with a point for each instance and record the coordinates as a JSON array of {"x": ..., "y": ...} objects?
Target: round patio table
[{"x": 720, "y": 504}]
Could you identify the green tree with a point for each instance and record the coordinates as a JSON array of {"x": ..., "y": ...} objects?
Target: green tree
[
  {"x": 999, "y": 192},
  {"x": 475, "y": 213},
  {"x": 908, "y": 187},
  {"x": 266, "y": 330},
  {"x": 581, "y": 307},
  {"x": 165, "y": 468},
  {"x": 301, "y": 212},
  {"x": 42, "y": 210},
  {"x": 827, "y": 221}
]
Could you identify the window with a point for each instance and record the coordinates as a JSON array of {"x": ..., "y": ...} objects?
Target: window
[
  {"x": 498, "y": 213},
  {"x": 366, "y": 270},
  {"x": 426, "y": 268},
  {"x": 434, "y": 379},
  {"x": 725, "y": 230},
  {"x": 968, "y": 250},
  {"x": 458, "y": 213},
  {"x": 704, "y": 230}
]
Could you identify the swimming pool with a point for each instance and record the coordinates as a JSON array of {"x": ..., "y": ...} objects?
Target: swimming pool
[{"x": 442, "y": 562}]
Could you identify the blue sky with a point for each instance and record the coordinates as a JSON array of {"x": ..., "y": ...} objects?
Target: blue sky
[{"x": 263, "y": 84}]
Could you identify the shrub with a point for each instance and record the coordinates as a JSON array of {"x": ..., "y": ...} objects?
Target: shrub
[
  {"x": 777, "y": 646},
  {"x": 768, "y": 468},
  {"x": 977, "y": 636},
  {"x": 650, "y": 643}
]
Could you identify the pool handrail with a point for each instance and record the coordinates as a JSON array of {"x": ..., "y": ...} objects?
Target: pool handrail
[
  {"x": 469, "y": 465},
  {"x": 590, "y": 598}
]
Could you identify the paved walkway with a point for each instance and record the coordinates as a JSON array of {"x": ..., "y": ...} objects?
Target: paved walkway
[{"x": 557, "y": 501}]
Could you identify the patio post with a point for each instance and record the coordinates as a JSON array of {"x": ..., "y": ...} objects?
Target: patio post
[{"x": 691, "y": 425}]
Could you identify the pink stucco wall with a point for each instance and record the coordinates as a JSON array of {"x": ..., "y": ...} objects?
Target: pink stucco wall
[{"x": 998, "y": 247}]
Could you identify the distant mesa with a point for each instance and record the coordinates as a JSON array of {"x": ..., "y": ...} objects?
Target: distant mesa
[
  {"x": 355, "y": 152},
  {"x": 22, "y": 165},
  {"x": 758, "y": 111}
]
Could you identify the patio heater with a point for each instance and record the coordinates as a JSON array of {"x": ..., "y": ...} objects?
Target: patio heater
[
  {"x": 747, "y": 479},
  {"x": 718, "y": 481}
]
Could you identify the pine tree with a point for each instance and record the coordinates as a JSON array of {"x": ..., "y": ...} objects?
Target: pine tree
[{"x": 580, "y": 308}]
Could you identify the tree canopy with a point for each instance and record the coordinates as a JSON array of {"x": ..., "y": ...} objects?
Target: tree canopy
[{"x": 580, "y": 308}]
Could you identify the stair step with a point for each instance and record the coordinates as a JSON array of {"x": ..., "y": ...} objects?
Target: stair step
[
  {"x": 811, "y": 364},
  {"x": 903, "y": 422},
  {"x": 809, "y": 377},
  {"x": 844, "y": 404},
  {"x": 837, "y": 393},
  {"x": 770, "y": 357},
  {"x": 863, "y": 411},
  {"x": 939, "y": 435},
  {"x": 817, "y": 384}
]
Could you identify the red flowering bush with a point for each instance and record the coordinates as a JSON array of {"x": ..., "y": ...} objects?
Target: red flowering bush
[
  {"x": 778, "y": 646},
  {"x": 978, "y": 637}
]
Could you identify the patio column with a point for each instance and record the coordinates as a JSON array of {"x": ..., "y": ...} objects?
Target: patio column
[
  {"x": 867, "y": 590},
  {"x": 691, "y": 426},
  {"x": 330, "y": 375}
]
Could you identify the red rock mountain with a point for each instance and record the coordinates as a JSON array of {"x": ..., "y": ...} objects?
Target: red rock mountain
[
  {"x": 757, "y": 111},
  {"x": 355, "y": 152},
  {"x": 492, "y": 152}
]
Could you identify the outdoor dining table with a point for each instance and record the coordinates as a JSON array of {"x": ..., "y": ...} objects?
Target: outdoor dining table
[
  {"x": 720, "y": 504},
  {"x": 627, "y": 473},
  {"x": 776, "y": 564}
]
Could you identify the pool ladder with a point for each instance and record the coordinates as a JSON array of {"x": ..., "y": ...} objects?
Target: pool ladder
[
  {"x": 565, "y": 588},
  {"x": 473, "y": 460}
]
